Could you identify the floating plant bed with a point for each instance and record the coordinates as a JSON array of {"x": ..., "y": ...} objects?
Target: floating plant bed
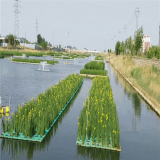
[
  {"x": 98, "y": 124},
  {"x": 93, "y": 68},
  {"x": 35, "y": 124},
  {"x": 33, "y": 61},
  {"x": 88, "y": 72}
]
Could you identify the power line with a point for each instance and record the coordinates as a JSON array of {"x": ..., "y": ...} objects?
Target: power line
[{"x": 16, "y": 23}]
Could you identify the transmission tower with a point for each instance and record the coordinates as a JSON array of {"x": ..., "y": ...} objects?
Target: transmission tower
[
  {"x": 16, "y": 23},
  {"x": 36, "y": 28},
  {"x": 68, "y": 38},
  {"x": 137, "y": 14}
]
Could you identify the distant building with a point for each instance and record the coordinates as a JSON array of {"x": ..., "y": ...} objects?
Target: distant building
[{"x": 146, "y": 43}]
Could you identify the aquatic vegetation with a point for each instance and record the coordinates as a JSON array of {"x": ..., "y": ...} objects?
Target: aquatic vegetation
[
  {"x": 37, "y": 115},
  {"x": 33, "y": 60},
  {"x": 95, "y": 65},
  {"x": 99, "y": 58},
  {"x": 1, "y": 55},
  {"x": 93, "y": 72},
  {"x": 102, "y": 126},
  {"x": 94, "y": 68}
]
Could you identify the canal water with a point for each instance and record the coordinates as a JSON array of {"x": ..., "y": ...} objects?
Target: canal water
[{"x": 139, "y": 125}]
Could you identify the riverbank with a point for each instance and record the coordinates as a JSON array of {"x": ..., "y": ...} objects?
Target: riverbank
[{"x": 145, "y": 79}]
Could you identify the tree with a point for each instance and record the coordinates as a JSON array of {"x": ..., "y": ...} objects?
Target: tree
[
  {"x": 11, "y": 39},
  {"x": 122, "y": 47},
  {"x": 26, "y": 41},
  {"x": 39, "y": 39},
  {"x": 43, "y": 40},
  {"x": 117, "y": 48},
  {"x": 44, "y": 45},
  {"x": 139, "y": 39},
  {"x": 110, "y": 50},
  {"x": 128, "y": 43}
]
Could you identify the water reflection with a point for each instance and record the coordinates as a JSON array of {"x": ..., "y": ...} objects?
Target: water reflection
[
  {"x": 17, "y": 148},
  {"x": 131, "y": 94},
  {"x": 97, "y": 154}
]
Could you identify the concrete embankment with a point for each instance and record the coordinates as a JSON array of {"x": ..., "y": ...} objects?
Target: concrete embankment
[{"x": 154, "y": 107}]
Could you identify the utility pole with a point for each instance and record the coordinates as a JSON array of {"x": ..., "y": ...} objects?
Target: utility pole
[
  {"x": 36, "y": 28},
  {"x": 53, "y": 38},
  {"x": 16, "y": 22},
  {"x": 137, "y": 14}
]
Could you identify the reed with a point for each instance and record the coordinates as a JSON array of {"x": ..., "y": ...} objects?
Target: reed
[
  {"x": 37, "y": 115},
  {"x": 103, "y": 121}
]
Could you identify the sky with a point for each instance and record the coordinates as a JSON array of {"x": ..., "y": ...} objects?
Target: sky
[{"x": 91, "y": 24}]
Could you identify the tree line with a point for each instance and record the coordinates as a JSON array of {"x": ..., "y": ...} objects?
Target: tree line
[
  {"x": 42, "y": 42},
  {"x": 134, "y": 46}
]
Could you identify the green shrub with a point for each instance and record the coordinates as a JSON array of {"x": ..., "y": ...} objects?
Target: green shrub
[
  {"x": 1, "y": 55},
  {"x": 95, "y": 65},
  {"x": 99, "y": 58},
  {"x": 93, "y": 72}
]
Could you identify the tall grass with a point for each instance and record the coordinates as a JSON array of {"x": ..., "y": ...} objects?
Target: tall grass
[
  {"x": 146, "y": 78},
  {"x": 37, "y": 115},
  {"x": 102, "y": 116}
]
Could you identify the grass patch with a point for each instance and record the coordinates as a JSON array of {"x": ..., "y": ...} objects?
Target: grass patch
[
  {"x": 93, "y": 72},
  {"x": 33, "y": 60}
]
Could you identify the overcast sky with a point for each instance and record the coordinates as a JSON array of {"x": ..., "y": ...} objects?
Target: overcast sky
[{"x": 90, "y": 23}]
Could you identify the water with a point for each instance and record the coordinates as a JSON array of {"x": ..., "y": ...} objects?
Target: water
[{"x": 139, "y": 125}]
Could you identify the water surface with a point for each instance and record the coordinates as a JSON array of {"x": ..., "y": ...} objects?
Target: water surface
[{"x": 139, "y": 125}]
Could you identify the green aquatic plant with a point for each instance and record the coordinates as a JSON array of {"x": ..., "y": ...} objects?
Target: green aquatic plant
[
  {"x": 95, "y": 65},
  {"x": 33, "y": 60},
  {"x": 99, "y": 57},
  {"x": 103, "y": 123},
  {"x": 93, "y": 72},
  {"x": 36, "y": 116}
]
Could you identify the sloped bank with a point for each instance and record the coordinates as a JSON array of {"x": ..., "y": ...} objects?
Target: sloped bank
[{"x": 140, "y": 91}]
